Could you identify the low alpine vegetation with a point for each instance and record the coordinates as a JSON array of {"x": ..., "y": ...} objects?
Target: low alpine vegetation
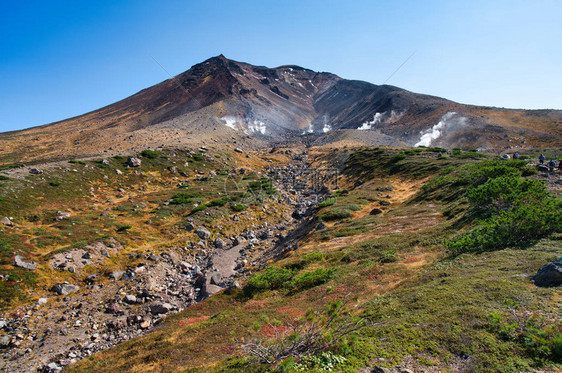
[{"x": 512, "y": 211}]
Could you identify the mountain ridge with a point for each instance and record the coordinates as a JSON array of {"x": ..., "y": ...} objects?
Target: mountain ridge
[{"x": 278, "y": 104}]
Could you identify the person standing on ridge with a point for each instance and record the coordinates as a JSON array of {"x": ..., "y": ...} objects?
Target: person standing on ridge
[{"x": 541, "y": 158}]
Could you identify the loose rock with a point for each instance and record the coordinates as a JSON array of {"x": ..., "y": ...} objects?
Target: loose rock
[{"x": 550, "y": 274}]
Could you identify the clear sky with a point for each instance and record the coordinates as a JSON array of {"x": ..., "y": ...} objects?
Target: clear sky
[{"x": 59, "y": 59}]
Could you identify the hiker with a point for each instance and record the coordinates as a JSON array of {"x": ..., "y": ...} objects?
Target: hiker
[
  {"x": 551, "y": 164},
  {"x": 439, "y": 155},
  {"x": 541, "y": 158},
  {"x": 516, "y": 155}
]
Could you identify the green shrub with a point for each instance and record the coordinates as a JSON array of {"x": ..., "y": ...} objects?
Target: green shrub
[
  {"x": 264, "y": 184},
  {"x": 323, "y": 362},
  {"x": 54, "y": 183},
  {"x": 5, "y": 248},
  {"x": 269, "y": 279},
  {"x": 238, "y": 207},
  {"x": 540, "y": 338},
  {"x": 388, "y": 256},
  {"x": 436, "y": 149},
  {"x": 123, "y": 228},
  {"x": 4, "y": 178},
  {"x": 505, "y": 192},
  {"x": 413, "y": 151},
  {"x": 308, "y": 280},
  {"x": 335, "y": 214},
  {"x": 339, "y": 213},
  {"x": 75, "y": 161},
  {"x": 181, "y": 199},
  {"x": 519, "y": 227},
  {"x": 33, "y": 218},
  {"x": 398, "y": 157},
  {"x": 9, "y": 167},
  {"x": 197, "y": 157},
  {"x": 119, "y": 157},
  {"x": 516, "y": 211},
  {"x": 218, "y": 202},
  {"x": 201, "y": 207},
  {"x": 305, "y": 260},
  {"x": 152, "y": 154},
  {"x": 327, "y": 202}
]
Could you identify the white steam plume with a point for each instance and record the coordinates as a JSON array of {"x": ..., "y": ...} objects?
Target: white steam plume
[
  {"x": 379, "y": 118},
  {"x": 449, "y": 122}
]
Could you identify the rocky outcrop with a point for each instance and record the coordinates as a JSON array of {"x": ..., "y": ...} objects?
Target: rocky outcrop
[
  {"x": 134, "y": 162},
  {"x": 20, "y": 262},
  {"x": 7, "y": 222},
  {"x": 550, "y": 274},
  {"x": 65, "y": 288}
]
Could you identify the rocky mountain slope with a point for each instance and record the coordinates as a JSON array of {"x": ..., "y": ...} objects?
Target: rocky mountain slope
[{"x": 220, "y": 99}]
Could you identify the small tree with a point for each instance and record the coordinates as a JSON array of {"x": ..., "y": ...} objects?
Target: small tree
[{"x": 320, "y": 330}]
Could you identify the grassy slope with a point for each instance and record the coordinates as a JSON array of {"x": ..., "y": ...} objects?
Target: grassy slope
[
  {"x": 431, "y": 310},
  {"x": 105, "y": 211}
]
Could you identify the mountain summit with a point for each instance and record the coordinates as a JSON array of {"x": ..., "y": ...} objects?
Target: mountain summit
[{"x": 220, "y": 98}]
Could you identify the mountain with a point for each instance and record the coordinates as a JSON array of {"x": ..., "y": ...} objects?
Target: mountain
[{"x": 219, "y": 99}]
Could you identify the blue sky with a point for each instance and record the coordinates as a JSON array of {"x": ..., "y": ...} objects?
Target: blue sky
[{"x": 59, "y": 59}]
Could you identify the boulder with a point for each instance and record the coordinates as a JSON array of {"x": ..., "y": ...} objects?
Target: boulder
[
  {"x": 184, "y": 266},
  {"x": 7, "y": 222},
  {"x": 133, "y": 162},
  {"x": 203, "y": 233},
  {"x": 542, "y": 167},
  {"x": 62, "y": 215},
  {"x": 117, "y": 275},
  {"x": 36, "y": 171},
  {"x": 550, "y": 274},
  {"x": 105, "y": 253},
  {"x": 299, "y": 213},
  {"x": 64, "y": 288},
  {"x": 380, "y": 370},
  {"x": 20, "y": 262},
  {"x": 321, "y": 226},
  {"x": 114, "y": 309},
  {"x": 375, "y": 211},
  {"x": 239, "y": 241},
  {"x": 219, "y": 243},
  {"x": 189, "y": 227},
  {"x": 161, "y": 308},
  {"x": 130, "y": 299},
  {"x": 5, "y": 341},
  {"x": 238, "y": 150},
  {"x": 212, "y": 289},
  {"x": 42, "y": 301},
  {"x": 215, "y": 279}
]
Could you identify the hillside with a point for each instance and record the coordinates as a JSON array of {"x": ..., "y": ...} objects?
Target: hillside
[
  {"x": 223, "y": 101},
  {"x": 244, "y": 218},
  {"x": 196, "y": 257}
]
